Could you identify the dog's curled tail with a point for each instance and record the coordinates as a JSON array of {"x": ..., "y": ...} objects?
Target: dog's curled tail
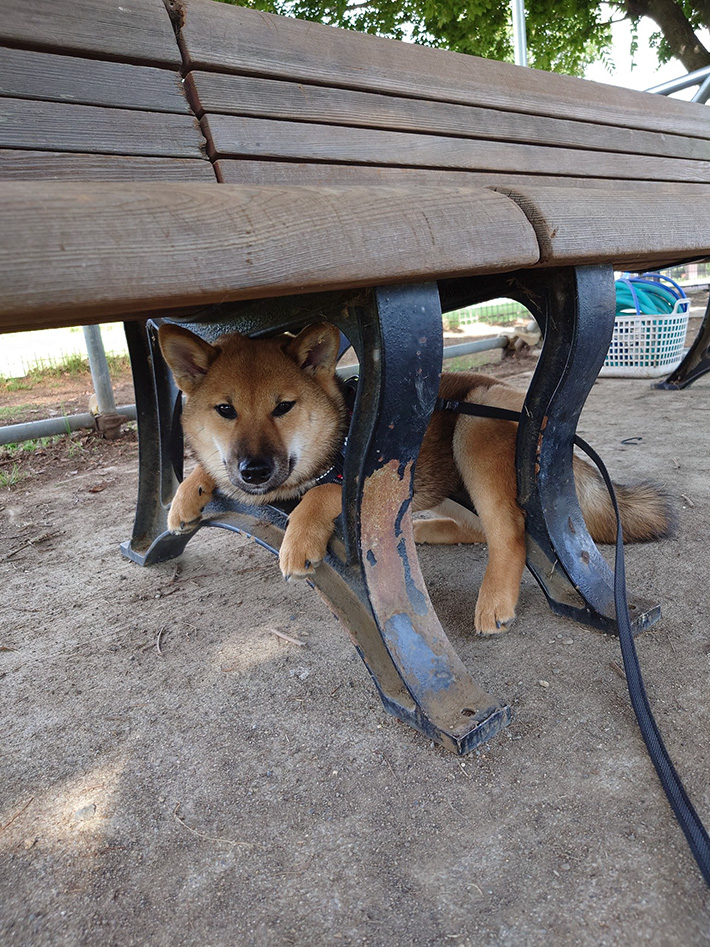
[{"x": 646, "y": 509}]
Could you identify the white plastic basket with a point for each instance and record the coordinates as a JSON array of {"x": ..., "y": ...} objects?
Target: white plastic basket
[{"x": 647, "y": 346}]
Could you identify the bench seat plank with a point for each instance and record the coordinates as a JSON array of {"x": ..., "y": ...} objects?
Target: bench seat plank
[
  {"x": 223, "y": 38},
  {"x": 88, "y": 252},
  {"x": 136, "y": 31},
  {"x": 27, "y": 123},
  {"x": 253, "y": 171},
  {"x": 635, "y": 226},
  {"x": 74, "y": 166},
  {"x": 231, "y": 135},
  {"x": 297, "y": 101},
  {"x": 70, "y": 79}
]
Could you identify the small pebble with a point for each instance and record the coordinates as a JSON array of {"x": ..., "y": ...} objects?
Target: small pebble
[
  {"x": 544, "y": 683},
  {"x": 86, "y": 812}
]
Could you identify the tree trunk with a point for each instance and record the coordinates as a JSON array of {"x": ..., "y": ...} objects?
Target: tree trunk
[{"x": 676, "y": 29}]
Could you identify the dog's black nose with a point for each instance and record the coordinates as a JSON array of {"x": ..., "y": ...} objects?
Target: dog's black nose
[{"x": 255, "y": 469}]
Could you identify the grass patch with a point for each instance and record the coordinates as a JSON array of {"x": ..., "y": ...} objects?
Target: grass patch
[
  {"x": 10, "y": 410},
  {"x": 8, "y": 478},
  {"x": 74, "y": 364},
  {"x": 117, "y": 364},
  {"x": 29, "y": 447},
  {"x": 71, "y": 365},
  {"x": 16, "y": 384}
]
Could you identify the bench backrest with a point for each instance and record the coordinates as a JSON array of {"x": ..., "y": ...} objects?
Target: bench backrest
[
  {"x": 92, "y": 90},
  {"x": 284, "y": 101}
]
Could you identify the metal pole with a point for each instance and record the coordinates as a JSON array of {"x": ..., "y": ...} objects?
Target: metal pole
[
  {"x": 450, "y": 351},
  {"x": 520, "y": 43},
  {"x": 29, "y": 431},
  {"x": 684, "y": 82},
  {"x": 99, "y": 370},
  {"x": 703, "y": 93}
]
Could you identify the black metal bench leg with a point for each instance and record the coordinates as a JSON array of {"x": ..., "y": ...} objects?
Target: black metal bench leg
[
  {"x": 575, "y": 308},
  {"x": 696, "y": 361},
  {"x": 160, "y": 447},
  {"x": 400, "y": 363}
]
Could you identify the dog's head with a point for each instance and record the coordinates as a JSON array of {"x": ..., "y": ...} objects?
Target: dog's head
[{"x": 264, "y": 416}]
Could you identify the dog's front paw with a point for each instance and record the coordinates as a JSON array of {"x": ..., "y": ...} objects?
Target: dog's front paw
[
  {"x": 191, "y": 498},
  {"x": 302, "y": 551},
  {"x": 495, "y": 613}
]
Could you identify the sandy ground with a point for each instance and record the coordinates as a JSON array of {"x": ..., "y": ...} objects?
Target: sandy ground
[{"x": 175, "y": 773}]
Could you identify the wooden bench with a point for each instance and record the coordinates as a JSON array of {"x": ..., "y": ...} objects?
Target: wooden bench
[{"x": 231, "y": 169}]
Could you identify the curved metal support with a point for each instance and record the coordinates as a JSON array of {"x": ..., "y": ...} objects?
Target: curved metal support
[
  {"x": 575, "y": 309},
  {"x": 160, "y": 445},
  {"x": 400, "y": 364},
  {"x": 696, "y": 361}
]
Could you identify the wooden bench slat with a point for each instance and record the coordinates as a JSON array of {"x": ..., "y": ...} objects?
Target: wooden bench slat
[
  {"x": 276, "y": 99},
  {"x": 74, "y": 166},
  {"x": 69, "y": 79},
  {"x": 127, "y": 30},
  {"x": 584, "y": 225},
  {"x": 232, "y": 39},
  {"x": 75, "y": 251},
  {"x": 230, "y": 135},
  {"x": 27, "y": 123},
  {"x": 253, "y": 171}
]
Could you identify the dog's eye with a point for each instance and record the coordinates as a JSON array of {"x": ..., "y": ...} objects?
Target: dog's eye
[
  {"x": 226, "y": 411},
  {"x": 283, "y": 407}
]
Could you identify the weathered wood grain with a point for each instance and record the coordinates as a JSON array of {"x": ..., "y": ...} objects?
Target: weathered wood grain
[
  {"x": 75, "y": 251},
  {"x": 233, "y": 39},
  {"x": 70, "y": 166},
  {"x": 70, "y": 79},
  {"x": 254, "y": 171},
  {"x": 584, "y": 225},
  {"x": 26, "y": 123},
  {"x": 298, "y": 101},
  {"x": 230, "y": 135},
  {"x": 125, "y": 30}
]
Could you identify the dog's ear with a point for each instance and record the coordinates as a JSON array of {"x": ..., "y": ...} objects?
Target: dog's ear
[
  {"x": 188, "y": 356},
  {"x": 315, "y": 349}
]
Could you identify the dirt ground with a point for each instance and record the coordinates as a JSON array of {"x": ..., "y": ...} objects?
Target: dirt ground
[{"x": 176, "y": 773}]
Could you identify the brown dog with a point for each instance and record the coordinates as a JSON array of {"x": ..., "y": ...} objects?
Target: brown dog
[{"x": 265, "y": 419}]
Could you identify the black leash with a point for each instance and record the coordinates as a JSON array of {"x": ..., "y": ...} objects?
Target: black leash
[{"x": 686, "y": 815}]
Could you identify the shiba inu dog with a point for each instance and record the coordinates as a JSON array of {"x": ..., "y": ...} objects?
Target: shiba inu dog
[{"x": 266, "y": 418}]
